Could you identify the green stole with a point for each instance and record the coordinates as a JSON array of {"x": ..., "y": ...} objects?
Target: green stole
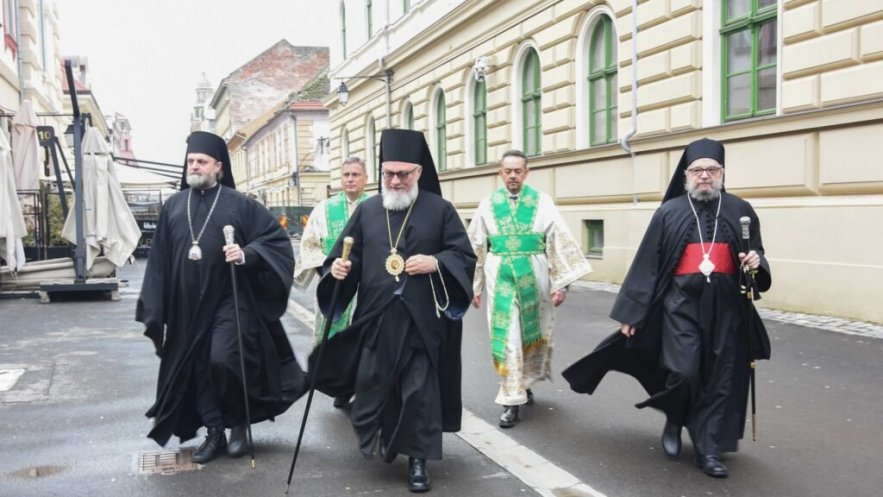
[
  {"x": 336, "y": 217},
  {"x": 516, "y": 282}
]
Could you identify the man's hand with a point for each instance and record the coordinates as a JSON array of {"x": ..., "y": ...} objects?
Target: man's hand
[
  {"x": 420, "y": 264},
  {"x": 751, "y": 260},
  {"x": 627, "y": 329},
  {"x": 340, "y": 268},
  {"x": 233, "y": 253},
  {"x": 476, "y": 301},
  {"x": 558, "y": 297}
]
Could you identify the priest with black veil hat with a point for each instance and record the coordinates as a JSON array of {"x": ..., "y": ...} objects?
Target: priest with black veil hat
[
  {"x": 412, "y": 266},
  {"x": 684, "y": 325},
  {"x": 187, "y": 307}
]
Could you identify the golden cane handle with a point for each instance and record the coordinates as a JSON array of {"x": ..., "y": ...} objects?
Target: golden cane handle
[{"x": 347, "y": 248}]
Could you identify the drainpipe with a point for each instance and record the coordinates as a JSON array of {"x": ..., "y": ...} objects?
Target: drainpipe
[
  {"x": 21, "y": 81},
  {"x": 624, "y": 142}
]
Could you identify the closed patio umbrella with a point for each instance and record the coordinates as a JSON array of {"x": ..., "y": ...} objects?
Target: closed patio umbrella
[
  {"x": 12, "y": 224},
  {"x": 25, "y": 147},
  {"x": 108, "y": 222}
]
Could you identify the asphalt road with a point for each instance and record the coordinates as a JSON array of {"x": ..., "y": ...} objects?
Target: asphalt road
[{"x": 73, "y": 424}]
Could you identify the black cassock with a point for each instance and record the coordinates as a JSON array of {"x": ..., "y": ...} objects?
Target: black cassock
[
  {"x": 187, "y": 307},
  {"x": 686, "y": 323},
  {"x": 400, "y": 359}
]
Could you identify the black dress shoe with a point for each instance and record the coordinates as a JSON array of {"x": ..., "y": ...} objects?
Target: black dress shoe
[
  {"x": 237, "y": 446},
  {"x": 509, "y": 416},
  {"x": 529, "y": 397},
  {"x": 418, "y": 477},
  {"x": 671, "y": 439},
  {"x": 215, "y": 443},
  {"x": 341, "y": 401},
  {"x": 711, "y": 466}
]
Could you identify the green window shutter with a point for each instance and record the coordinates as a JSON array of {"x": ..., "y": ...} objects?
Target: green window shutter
[
  {"x": 479, "y": 122},
  {"x": 531, "y": 104},
  {"x": 748, "y": 62},
  {"x": 441, "y": 133},
  {"x": 602, "y": 84}
]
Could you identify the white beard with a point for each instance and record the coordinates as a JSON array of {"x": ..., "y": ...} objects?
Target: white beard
[
  {"x": 705, "y": 195},
  {"x": 201, "y": 182},
  {"x": 396, "y": 201}
]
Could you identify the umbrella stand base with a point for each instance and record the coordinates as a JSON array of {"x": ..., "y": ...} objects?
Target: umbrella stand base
[{"x": 70, "y": 290}]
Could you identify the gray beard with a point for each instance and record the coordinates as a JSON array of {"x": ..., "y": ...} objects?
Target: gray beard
[
  {"x": 200, "y": 182},
  {"x": 395, "y": 201},
  {"x": 705, "y": 195}
]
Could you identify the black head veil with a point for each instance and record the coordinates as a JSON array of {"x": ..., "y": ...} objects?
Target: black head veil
[
  {"x": 210, "y": 144},
  {"x": 406, "y": 145},
  {"x": 704, "y": 148}
]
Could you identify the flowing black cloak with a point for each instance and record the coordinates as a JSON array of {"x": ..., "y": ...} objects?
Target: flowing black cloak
[
  {"x": 434, "y": 228},
  {"x": 180, "y": 299},
  {"x": 650, "y": 279}
]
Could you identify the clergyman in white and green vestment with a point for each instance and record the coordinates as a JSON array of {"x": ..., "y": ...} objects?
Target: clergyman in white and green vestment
[
  {"x": 527, "y": 258},
  {"x": 323, "y": 228}
]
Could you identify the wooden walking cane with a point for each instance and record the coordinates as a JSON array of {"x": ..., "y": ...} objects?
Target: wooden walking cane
[
  {"x": 228, "y": 238},
  {"x": 345, "y": 254},
  {"x": 747, "y": 287}
]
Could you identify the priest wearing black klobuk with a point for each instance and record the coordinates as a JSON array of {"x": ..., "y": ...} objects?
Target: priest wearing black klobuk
[
  {"x": 412, "y": 267},
  {"x": 684, "y": 325},
  {"x": 187, "y": 307}
]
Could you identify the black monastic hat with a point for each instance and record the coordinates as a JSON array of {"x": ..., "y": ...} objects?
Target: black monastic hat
[
  {"x": 704, "y": 148},
  {"x": 406, "y": 145},
  {"x": 203, "y": 142}
]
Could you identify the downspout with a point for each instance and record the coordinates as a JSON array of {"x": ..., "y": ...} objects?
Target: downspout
[
  {"x": 21, "y": 81},
  {"x": 624, "y": 142}
]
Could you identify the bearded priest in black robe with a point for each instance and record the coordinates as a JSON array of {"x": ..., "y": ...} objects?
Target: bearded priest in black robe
[
  {"x": 412, "y": 266},
  {"x": 686, "y": 332},
  {"x": 187, "y": 306}
]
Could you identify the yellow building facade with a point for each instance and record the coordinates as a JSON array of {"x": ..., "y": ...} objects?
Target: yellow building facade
[{"x": 794, "y": 89}]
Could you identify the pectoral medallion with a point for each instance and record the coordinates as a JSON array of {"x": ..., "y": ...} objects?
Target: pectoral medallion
[
  {"x": 195, "y": 252},
  {"x": 395, "y": 264},
  {"x": 706, "y": 267}
]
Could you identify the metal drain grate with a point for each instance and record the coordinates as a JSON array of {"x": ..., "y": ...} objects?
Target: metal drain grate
[{"x": 166, "y": 462}]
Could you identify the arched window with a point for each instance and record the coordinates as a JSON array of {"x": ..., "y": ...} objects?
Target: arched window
[
  {"x": 441, "y": 132},
  {"x": 531, "y": 104},
  {"x": 602, "y": 83},
  {"x": 343, "y": 28},
  {"x": 371, "y": 150},
  {"x": 479, "y": 122},
  {"x": 369, "y": 18},
  {"x": 408, "y": 116}
]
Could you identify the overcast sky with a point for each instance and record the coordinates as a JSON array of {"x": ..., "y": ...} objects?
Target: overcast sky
[{"x": 146, "y": 57}]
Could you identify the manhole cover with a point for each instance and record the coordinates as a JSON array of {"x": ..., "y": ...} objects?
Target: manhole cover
[{"x": 166, "y": 462}]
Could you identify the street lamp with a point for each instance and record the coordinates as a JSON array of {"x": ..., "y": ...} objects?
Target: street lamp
[{"x": 343, "y": 93}]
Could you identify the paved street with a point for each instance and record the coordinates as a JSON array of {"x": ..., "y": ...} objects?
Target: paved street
[{"x": 76, "y": 377}]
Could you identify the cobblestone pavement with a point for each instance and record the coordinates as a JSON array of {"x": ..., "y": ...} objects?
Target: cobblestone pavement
[{"x": 828, "y": 323}]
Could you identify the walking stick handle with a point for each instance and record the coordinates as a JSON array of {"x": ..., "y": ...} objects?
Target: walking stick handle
[{"x": 347, "y": 248}]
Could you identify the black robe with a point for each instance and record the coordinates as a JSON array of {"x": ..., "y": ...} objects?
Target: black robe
[
  {"x": 181, "y": 299},
  {"x": 652, "y": 297},
  {"x": 395, "y": 323}
]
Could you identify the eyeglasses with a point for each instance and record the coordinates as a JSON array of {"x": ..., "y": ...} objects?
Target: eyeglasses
[
  {"x": 401, "y": 175},
  {"x": 712, "y": 171}
]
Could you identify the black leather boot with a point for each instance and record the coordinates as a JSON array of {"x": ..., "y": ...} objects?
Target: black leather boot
[
  {"x": 215, "y": 443},
  {"x": 711, "y": 465},
  {"x": 237, "y": 446},
  {"x": 418, "y": 477},
  {"x": 509, "y": 416},
  {"x": 341, "y": 401},
  {"x": 671, "y": 439}
]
